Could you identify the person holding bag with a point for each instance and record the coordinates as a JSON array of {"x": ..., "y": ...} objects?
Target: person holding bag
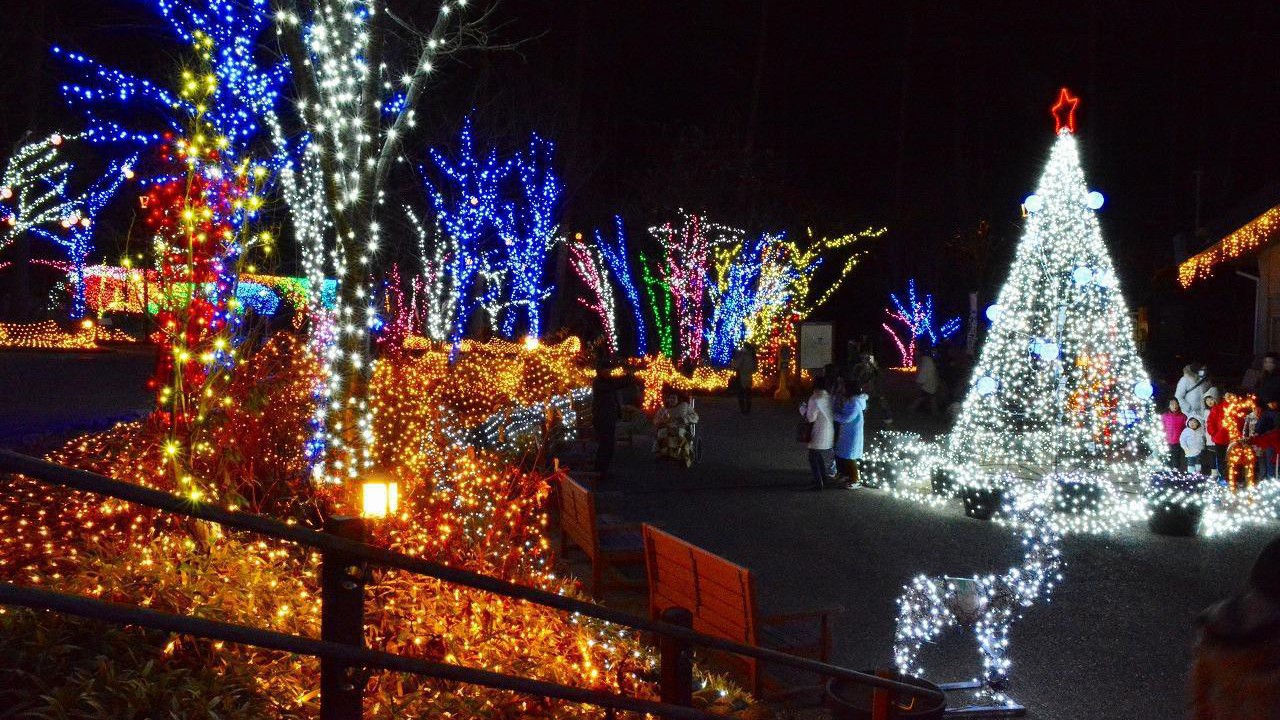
[{"x": 817, "y": 411}]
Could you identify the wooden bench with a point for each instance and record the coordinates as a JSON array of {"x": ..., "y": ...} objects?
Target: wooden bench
[
  {"x": 605, "y": 544},
  {"x": 722, "y": 598}
]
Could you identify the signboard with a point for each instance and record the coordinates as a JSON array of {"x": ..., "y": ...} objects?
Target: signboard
[{"x": 815, "y": 345}]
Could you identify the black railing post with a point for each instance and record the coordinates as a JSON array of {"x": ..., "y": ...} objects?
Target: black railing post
[
  {"x": 677, "y": 660},
  {"x": 342, "y": 580}
]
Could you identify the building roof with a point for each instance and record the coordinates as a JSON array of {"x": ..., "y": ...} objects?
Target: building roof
[{"x": 1253, "y": 226}]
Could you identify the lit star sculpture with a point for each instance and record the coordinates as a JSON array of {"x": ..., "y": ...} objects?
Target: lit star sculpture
[{"x": 1064, "y": 112}]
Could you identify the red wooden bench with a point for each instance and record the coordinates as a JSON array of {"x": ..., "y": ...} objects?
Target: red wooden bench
[
  {"x": 605, "y": 544},
  {"x": 721, "y": 596}
]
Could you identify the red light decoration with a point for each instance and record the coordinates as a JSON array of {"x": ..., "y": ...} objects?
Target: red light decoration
[{"x": 1064, "y": 112}]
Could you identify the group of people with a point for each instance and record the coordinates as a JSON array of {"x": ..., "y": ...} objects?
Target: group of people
[
  {"x": 833, "y": 429},
  {"x": 1200, "y": 433}
]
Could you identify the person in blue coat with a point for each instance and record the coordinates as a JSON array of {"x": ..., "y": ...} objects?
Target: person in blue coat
[{"x": 850, "y": 414}]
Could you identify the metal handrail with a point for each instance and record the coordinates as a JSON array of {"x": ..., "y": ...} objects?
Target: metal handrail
[
  {"x": 94, "y": 483},
  {"x": 37, "y": 599}
]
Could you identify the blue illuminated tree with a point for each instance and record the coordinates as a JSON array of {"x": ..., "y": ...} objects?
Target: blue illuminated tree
[
  {"x": 917, "y": 320},
  {"x": 614, "y": 252},
  {"x": 74, "y": 235},
  {"x": 734, "y": 298},
  {"x": 122, "y": 107},
  {"x": 466, "y": 205},
  {"x": 528, "y": 229}
]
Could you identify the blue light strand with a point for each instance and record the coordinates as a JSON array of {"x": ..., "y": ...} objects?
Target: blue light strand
[
  {"x": 247, "y": 91},
  {"x": 466, "y": 206},
  {"x": 615, "y": 256},
  {"x": 918, "y": 316},
  {"x": 528, "y": 229},
  {"x": 734, "y": 300},
  {"x": 77, "y": 242}
]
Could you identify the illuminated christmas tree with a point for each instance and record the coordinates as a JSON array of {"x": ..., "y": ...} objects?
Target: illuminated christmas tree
[{"x": 1059, "y": 385}]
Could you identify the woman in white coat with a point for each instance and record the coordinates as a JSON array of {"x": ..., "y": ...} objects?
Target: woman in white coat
[
  {"x": 819, "y": 411},
  {"x": 1191, "y": 389}
]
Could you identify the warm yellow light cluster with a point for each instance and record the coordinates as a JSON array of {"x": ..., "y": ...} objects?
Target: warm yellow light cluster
[
  {"x": 47, "y": 335},
  {"x": 467, "y": 508},
  {"x": 1258, "y": 232},
  {"x": 658, "y": 373}
]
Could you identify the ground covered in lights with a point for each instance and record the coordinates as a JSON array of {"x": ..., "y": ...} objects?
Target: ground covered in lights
[
  {"x": 475, "y": 509},
  {"x": 1115, "y": 640}
]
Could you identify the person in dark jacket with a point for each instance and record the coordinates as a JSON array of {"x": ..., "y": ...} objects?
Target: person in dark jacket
[
  {"x": 606, "y": 409},
  {"x": 1268, "y": 388},
  {"x": 1236, "y": 674},
  {"x": 744, "y": 368}
]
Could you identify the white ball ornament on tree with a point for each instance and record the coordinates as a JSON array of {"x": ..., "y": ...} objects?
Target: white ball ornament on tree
[
  {"x": 1048, "y": 350},
  {"x": 987, "y": 385},
  {"x": 1094, "y": 200},
  {"x": 1033, "y": 203}
]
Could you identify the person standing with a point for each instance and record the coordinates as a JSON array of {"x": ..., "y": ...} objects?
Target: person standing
[
  {"x": 1236, "y": 672},
  {"x": 606, "y": 409},
  {"x": 744, "y": 364},
  {"x": 867, "y": 374},
  {"x": 818, "y": 411},
  {"x": 1174, "y": 423},
  {"x": 1192, "y": 442},
  {"x": 850, "y": 417},
  {"x": 929, "y": 383},
  {"x": 1268, "y": 388},
  {"x": 1217, "y": 435},
  {"x": 1191, "y": 390}
]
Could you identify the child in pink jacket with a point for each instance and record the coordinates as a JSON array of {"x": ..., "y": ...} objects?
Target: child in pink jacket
[{"x": 1174, "y": 422}]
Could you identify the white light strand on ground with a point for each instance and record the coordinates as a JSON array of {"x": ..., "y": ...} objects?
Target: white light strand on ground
[{"x": 987, "y": 604}]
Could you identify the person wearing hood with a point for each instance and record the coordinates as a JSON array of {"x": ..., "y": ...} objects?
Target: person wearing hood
[
  {"x": 1191, "y": 389},
  {"x": 1236, "y": 672},
  {"x": 850, "y": 416}
]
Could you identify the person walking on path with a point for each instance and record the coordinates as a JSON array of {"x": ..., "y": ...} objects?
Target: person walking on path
[
  {"x": 1236, "y": 672},
  {"x": 818, "y": 411},
  {"x": 851, "y": 419},
  {"x": 1191, "y": 390},
  {"x": 1174, "y": 423},
  {"x": 744, "y": 364}
]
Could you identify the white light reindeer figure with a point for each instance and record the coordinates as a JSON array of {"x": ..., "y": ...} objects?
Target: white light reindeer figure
[{"x": 990, "y": 604}]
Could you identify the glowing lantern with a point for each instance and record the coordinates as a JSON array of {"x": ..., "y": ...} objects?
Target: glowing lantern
[{"x": 381, "y": 497}]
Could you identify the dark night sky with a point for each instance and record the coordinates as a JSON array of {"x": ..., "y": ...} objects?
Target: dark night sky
[{"x": 926, "y": 117}]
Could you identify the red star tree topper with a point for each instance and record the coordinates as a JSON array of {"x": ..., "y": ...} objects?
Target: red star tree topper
[{"x": 1064, "y": 112}]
